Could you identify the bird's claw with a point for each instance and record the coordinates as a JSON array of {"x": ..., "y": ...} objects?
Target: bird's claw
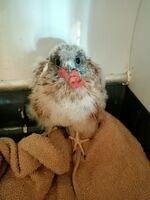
[{"x": 78, "y": 142}]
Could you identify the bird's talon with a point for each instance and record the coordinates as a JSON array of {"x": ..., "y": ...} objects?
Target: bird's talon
[{"x": 78, "y": 142}]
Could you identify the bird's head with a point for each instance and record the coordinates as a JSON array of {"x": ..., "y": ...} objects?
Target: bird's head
[{"x": 69, "y": 62}]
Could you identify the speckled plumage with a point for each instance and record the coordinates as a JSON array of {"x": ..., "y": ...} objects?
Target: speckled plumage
[{"x": 54, "y": 103}]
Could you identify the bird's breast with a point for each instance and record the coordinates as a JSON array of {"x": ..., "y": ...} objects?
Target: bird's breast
[{"x": 67, "y": 111}]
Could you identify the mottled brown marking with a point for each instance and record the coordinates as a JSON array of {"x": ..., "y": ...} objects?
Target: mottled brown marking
[{"x": 37, "y": 109}]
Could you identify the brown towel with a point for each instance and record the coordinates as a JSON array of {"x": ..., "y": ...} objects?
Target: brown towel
[
  {"x": 33, "y": 163},
  {"x": 114, "y": 168}
]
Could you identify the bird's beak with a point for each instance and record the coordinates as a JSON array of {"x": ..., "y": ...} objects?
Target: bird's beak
[{"x": 70, "y": 66}]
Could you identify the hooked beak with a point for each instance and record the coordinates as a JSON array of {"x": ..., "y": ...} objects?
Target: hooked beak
[{"x": 70, "y": 66}]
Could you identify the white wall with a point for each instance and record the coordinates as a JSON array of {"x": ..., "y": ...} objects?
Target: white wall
[
  {"x": 140, "y": 56},
  {"x": 111, "y": 28},
  {"x": 30, "y": 28}
]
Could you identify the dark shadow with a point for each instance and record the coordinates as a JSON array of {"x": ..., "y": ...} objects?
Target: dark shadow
[
  {"x": 44, "y": 46},
  {"x": 42, "y": 49}
]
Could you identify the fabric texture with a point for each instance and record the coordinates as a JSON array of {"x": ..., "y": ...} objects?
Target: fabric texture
[{"x": 114, "y": 166}]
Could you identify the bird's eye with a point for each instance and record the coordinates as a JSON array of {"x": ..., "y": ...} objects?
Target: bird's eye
[
  {"x": 78, "y": 60},
  {"x": 57, "y": 62}
]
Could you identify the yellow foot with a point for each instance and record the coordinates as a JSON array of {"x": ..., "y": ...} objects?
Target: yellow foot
[{"x": 78, "y": 142}]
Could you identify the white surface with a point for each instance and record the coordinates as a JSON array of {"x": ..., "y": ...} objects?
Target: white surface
[
  {"x": 111, "y": 28},
  {"x": 29, "y": 29},
  {"x": 140, "y": 56}
]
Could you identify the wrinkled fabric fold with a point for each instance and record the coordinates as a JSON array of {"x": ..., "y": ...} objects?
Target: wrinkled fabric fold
[
  {"x": 34, "y": 150},
  {"x": 114, "y": 166}
]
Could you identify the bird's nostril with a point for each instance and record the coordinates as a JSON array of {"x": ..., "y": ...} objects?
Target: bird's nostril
[
  {"x": 70, "y": 69},
  {"x": 70, "y": 65}
]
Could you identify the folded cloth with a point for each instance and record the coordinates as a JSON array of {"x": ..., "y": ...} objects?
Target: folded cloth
[
  {"x": 34, "y": 161},
  {"x": 113, "y": 166},
  {"x": 3, "y": 165}
]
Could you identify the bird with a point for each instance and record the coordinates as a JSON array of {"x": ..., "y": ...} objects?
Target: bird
[{"x": 68, "y": 90}]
